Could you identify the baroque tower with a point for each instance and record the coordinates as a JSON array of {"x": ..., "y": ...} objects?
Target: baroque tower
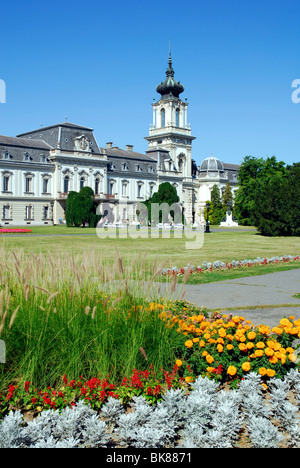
[
  {"x": 170, "y": 129},
  {"x": 170, "y": 142}
]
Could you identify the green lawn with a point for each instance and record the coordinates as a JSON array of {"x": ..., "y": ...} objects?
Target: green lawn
[{"x": 221, "y": 245}]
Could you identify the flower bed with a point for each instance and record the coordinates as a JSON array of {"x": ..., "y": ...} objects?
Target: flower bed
[
  {"x": 14, "y": 231},
  {"x": 204, "y": 417},
  {"x": 207, "y": 267},
  {"x": 94, "y": 392},
  {"x": 226, "y": 348}
]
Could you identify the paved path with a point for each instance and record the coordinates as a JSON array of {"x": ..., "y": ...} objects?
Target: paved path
[{"x": 272, "y": 290}]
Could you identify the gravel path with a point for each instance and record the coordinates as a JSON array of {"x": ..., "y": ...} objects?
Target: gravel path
[{"x": 274, "y": 289}]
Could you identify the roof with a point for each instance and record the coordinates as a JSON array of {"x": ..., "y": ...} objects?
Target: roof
[
  {"x": 23, "y": 142},
  {"x": 121, "y": 153},
  {"x": 64, "y": 124},
  {"x": 231, "y": 167}
]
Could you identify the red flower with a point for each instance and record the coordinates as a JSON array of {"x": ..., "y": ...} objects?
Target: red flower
[
  {"x": 157, "y": 390},
  {"x": 26, "y": 386}
]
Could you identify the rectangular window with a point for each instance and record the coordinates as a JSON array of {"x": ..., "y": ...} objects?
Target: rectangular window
[
  {"x": 66, "y": 184},
  {"x": 45, "y": 185},
  {"x": 5, "y": 184},
  {"x": 97, "y": 186},
  {"x": 46, "y": 212},
  {"x": 28, "y": 212},
  {"x": 6, "y": 212},
  {"x": 28, "y": 184}
]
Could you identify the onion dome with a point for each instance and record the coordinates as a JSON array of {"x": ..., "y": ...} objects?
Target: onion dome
[
  {"x": 211, "y": 164},
  {"x": 170, "y": 86}
]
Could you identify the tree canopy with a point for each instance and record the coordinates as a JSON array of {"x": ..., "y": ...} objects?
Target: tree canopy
[
  {"x": 166, "y": 194},
  {"x": 81, "y": 208},
  {"x": 268, "y": 196}
]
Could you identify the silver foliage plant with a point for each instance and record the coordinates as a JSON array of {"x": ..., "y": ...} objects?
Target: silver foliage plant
[{"x": 206, "y": 417}]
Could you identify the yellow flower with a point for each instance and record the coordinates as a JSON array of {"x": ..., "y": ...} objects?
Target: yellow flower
[
  {"x": 229, "y": 346},
  {"x": 246, "y": 366},
  {"x": 220, "y": 348},
  {"x": 205, "y": 353},
  {"x": 270, "y": 372},
  {"x": 222, "y": 332},
  {"x": 251, "y": 336},
  {"x": 271, "y": 344},
  {"x": 231, "y": 370},
  {"x": 250, "y": 345},
  {"x": 292, "y": 357},
  {"x": 285, "y": 322},
  {"x": 189, "y": 344},
  {"x": 277, "y": 346},
  {"x": 236, "y": 319},
  {"x": 259, "y": 353},
  {"x": 178, "y": 363},
  {"x": 277, "y": 330},
  {"x": 269, "y": 352},
  {"x": 264, "y": 329},
  {"x": 195, "y": 340},
  {"x": 260, "y": 345},
  {"x": 242, "y": 347},
  {"x": 262, "y": 371},
  {"x": 273, "y": 360},
  {"x": 209, "y": 359},
  {"x": 188, "y": 379},
  {"x": 201, "y": 344}
]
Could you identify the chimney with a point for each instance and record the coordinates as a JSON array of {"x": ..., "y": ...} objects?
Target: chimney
[
  {"x": 109, "y": 144},
  {"x": 129, "y": 147}
]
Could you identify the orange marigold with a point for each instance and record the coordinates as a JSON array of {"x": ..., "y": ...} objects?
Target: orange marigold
[
  {"x": 246, "y": 366},
  {"x": 189, "y": 344},
  {"x": 231, "y": 370}
]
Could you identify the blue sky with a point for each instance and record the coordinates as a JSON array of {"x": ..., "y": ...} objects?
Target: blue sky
[{"x": 99, "y": 63}]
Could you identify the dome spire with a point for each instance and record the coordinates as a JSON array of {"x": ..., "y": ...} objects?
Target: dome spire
[{"x": 170, "y": 86}]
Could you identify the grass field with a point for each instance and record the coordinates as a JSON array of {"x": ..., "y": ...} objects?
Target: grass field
[
  {"x": 224, "y": 245},
  {"x": 67, "y": 305}
]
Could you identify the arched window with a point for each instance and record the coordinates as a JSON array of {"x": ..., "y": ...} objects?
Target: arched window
[
  {"x": 97, "y": 186},
  {"x": 66, "y": 184},
  {"x": 163, "y": 117},
  {"x": 82, "y": 182},
  {"x": 177, "y": 118}
]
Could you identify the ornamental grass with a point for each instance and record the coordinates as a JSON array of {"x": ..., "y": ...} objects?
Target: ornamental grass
[{"x": 78, "y": 318}]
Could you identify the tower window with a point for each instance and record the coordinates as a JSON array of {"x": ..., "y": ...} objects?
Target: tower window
[
  {"x": 177, "y": 118},
  {"x": 163, "y": 118}
]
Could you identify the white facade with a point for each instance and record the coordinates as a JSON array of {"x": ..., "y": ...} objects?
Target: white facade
[{"x": 39, "y": 168}]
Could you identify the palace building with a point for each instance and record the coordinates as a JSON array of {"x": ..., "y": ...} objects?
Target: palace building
[{"x": 39, "y": 168}]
